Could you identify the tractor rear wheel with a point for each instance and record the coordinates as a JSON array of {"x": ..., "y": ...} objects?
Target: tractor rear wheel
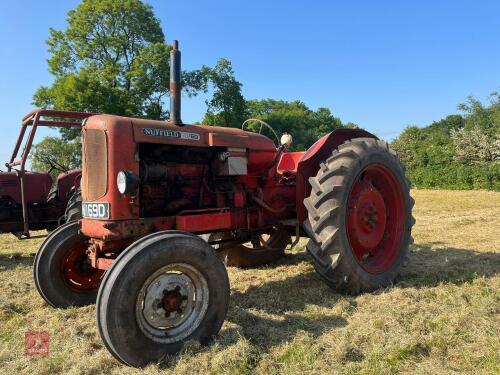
[
  {"x": 74, "y": 207},
  {"x": 263, "y": 249},
  {"x": 62, "y": 272},
  {"x": 163, "y": 290},
  {"x": 359, "y": 216}
]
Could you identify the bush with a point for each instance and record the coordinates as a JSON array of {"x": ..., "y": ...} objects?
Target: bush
[
  {"x": 457, "y": 176},
  {"x": 457, "y": 152}
]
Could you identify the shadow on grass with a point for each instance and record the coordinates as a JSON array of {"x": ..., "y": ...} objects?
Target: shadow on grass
[
  {"x": 13, "y": 260},
  {"x": 295, "y": 299},
  {"x": 273, "y": 313},
  {"x": 428, "y": 267}
]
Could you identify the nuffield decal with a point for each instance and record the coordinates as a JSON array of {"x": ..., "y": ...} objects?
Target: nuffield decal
[{"x": 156, "y": 132}]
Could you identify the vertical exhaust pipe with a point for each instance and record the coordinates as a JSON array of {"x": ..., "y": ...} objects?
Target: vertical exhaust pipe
[{"x": 175, "y": 84}]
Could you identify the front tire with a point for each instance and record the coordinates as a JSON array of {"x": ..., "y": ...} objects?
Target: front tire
[
  {"x": 62, "y": 272},
  {"x": 359, "y": 217},
  {"x": 163, "y": 290}
]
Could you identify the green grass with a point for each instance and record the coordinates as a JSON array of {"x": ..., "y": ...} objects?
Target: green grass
[{"x": 441, "y": 316}]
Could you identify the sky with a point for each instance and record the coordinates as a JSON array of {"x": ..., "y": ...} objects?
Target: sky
[{"x": 380, "y": 64}]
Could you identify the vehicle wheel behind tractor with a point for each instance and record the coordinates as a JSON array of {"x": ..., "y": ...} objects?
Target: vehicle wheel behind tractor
[
  {"x": 163, "y": 290},
  {"x": 62, "y": 273},
  {"x": 263, "y": 249},
  {"x": 74, "y": 207},
  {"x": 360, "y": 218}
]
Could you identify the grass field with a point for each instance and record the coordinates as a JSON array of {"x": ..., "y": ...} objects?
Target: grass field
[{"x": 441, "y": 316}]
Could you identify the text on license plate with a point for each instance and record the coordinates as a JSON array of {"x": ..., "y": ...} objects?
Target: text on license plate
[{"x": 95, "y": 210}]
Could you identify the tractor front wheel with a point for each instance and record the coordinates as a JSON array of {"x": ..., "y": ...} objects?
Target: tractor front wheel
[
  {"x": 360, "y": 218},
  {"x": 62, "y": 271},
  {"x": 163, "y": 290}
]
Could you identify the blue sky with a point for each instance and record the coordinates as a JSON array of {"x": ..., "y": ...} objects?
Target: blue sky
[{"x": 381, "y": 64}]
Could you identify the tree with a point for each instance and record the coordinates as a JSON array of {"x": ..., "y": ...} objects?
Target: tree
[
  {"x": 66, "y": 153},
  {"x": 305, "y": 126},
  {"x": 474, "y": 146},
  {"x": 227, "y": 107},
  {"x": 407, "y": 146},
  {"x": 111, "y": 58},
  {"x": 486, "y": 118},
  {"x": 457, "y": 151}
]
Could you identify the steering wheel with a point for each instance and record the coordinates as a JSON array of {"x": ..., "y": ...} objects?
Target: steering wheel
[
  {"x": 54, "y": 165},
  {"x": 262, "y": 124}
]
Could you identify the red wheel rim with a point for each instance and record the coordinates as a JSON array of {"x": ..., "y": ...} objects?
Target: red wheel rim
[
  {"x": 375, "y": 218},
  {"x": 77, "y": 272}
]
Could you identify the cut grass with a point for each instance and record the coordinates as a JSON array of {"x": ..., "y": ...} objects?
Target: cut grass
[{"x": 441, "y": 316}]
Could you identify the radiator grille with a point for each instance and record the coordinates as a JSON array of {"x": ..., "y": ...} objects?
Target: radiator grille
[{"x": 95, "y": 165}]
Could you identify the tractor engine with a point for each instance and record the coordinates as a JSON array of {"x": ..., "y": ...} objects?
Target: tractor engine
[
  {"x": 174, "y": 178},
  {"x": 163, "y": 176},
  {"x": 177, "y": 178}
]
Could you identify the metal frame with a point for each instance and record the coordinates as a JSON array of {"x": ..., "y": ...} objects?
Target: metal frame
[{"x": 36, "y": 118}]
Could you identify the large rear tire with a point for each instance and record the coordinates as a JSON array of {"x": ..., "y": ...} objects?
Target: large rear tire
[
  {"x": 163, "y": 290},
  {"x": 62, "y": 272},
  {"x": 359, "y": 216}
]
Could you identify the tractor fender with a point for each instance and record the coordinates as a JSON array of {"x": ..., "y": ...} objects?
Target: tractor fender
[
  {"x": 68, "y": 182},
  {"x": 308, "y": 165}
]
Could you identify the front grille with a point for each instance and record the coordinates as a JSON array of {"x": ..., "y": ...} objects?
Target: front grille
[{"x": 95, "y": 165}]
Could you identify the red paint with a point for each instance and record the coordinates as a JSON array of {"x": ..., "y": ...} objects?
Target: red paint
[
  {"x": 289, "y": 161},
  {"x": 77, "y": 273},
  {"x": 203, "y": 221},
  {"x": 317, "y": 153},
  {"x": 273, "y": 189},
  {"x": 367, "y": 217},
  {"x": 375, "y": 218},
  {"x": 37, "y": 186},
  {"x": 67, "y": 182}
]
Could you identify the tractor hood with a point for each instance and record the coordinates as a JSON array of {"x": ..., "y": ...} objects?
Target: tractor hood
[{"x": 151, "y": 131}]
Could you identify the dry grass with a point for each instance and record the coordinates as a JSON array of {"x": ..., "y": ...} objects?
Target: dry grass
[{"x": 442, "y": 316}]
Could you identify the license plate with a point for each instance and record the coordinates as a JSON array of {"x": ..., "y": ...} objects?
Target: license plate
[{"x": 95, "y": 210}]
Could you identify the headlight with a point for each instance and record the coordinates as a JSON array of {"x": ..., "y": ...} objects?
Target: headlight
[{"x": 127, "y": 182}]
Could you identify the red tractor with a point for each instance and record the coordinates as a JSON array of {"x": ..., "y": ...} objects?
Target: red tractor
[
  {"x": 151, "y": 188},
  {"x": 31, "y": 200}
]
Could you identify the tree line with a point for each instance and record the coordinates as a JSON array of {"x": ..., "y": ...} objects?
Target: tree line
[
  {"x": 457, "y": 152},
  {"x": 113, "y": 58}
]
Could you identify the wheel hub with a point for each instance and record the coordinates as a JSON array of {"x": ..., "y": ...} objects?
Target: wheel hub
[
  {"x": 172, "y": 302},
  {"x": 77, "y": 272},
  {"x": 367, "y": 219},
  {"x": 166, "y": 300},
  {"x": 375, "y": 218}
]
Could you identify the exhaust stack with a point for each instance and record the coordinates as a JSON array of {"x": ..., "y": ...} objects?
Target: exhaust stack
[{"x": 175, "y": 85}]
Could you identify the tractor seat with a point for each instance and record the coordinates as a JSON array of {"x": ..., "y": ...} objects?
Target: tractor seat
[{"x": 288, "y": 163}]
